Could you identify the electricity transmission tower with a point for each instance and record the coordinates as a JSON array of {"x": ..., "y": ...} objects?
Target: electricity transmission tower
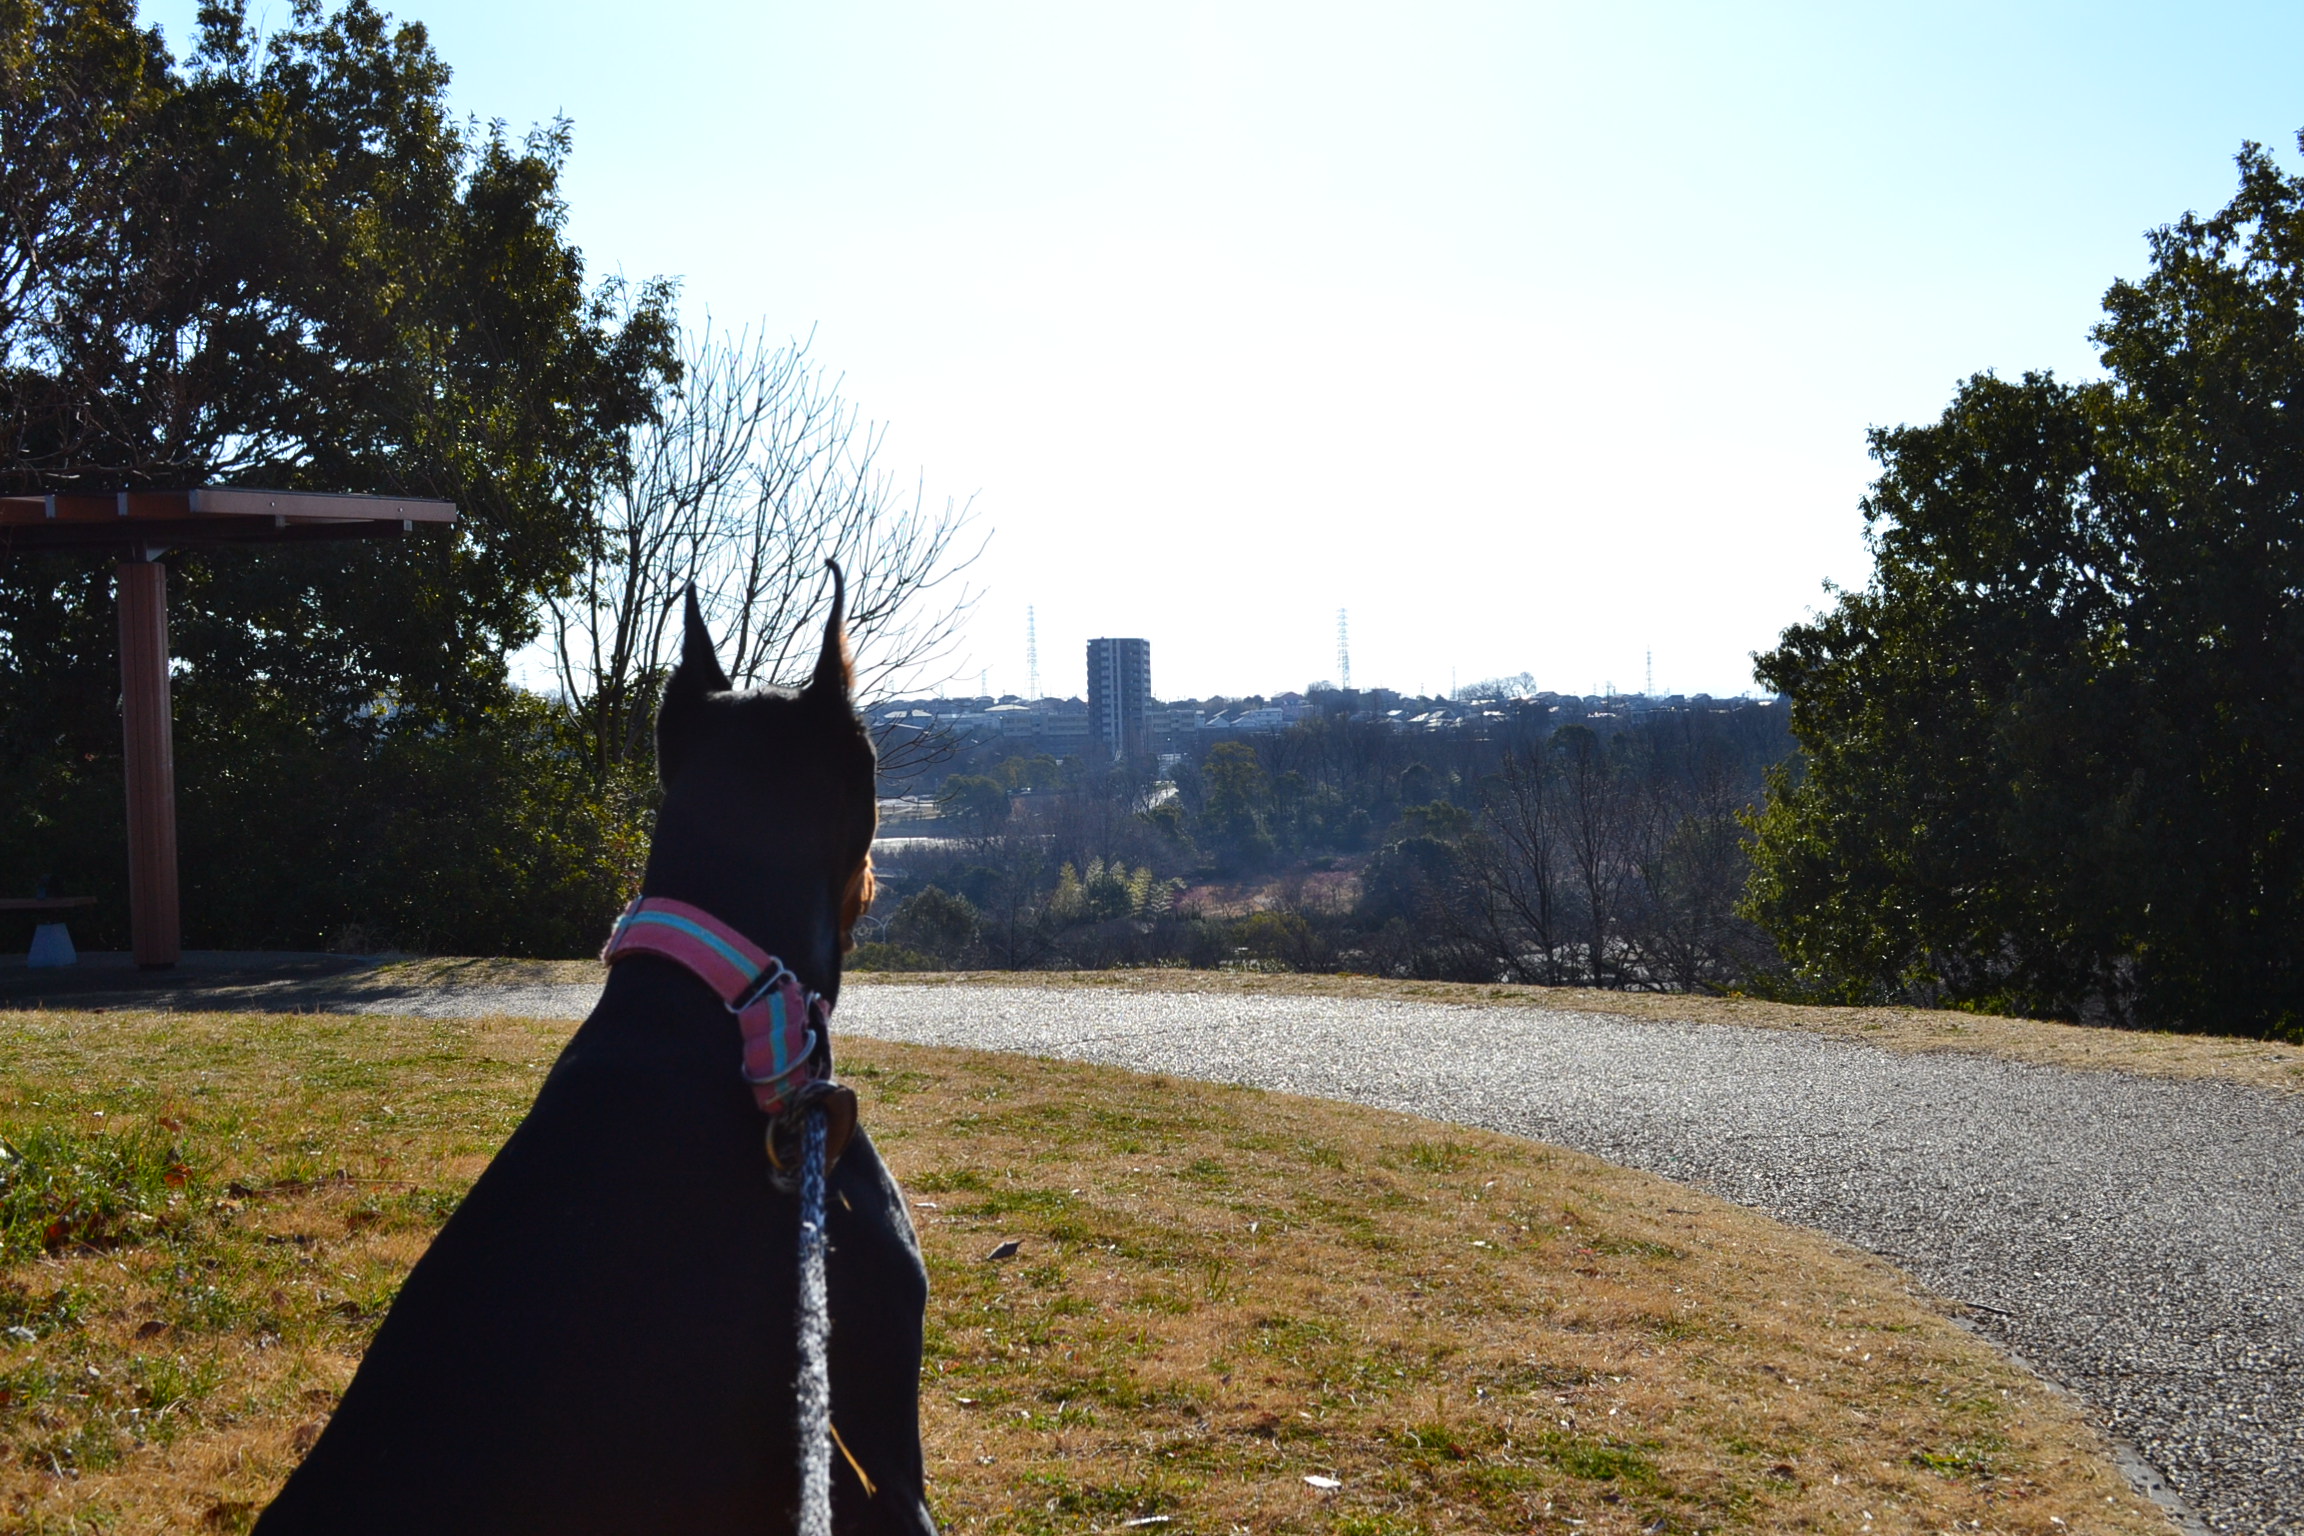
[
  {"x": 1031, "y": 655},
  {"x": 1343, "y": 651}
]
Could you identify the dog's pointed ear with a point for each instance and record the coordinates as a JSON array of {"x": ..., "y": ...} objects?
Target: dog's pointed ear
[
  {"x": 834, "y": 675},
  {"x": 699, "y": 670},
  {"x": 698, "y": 674}
]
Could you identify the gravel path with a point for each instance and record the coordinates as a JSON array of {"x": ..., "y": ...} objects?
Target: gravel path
[{"x": 2140, "y": 1240}]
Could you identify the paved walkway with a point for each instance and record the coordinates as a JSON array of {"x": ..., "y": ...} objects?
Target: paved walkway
[{"x": 2140, "y": 1240}]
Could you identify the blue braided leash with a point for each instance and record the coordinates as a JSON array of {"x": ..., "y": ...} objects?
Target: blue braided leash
[{"x": 814, "y": 1388}]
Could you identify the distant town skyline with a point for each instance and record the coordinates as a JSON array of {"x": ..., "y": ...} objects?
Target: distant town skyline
[
  {"x": 993, "y": 681},
  {"x": 1102, "y": 653},
  {"x": 1465, "y": 693},
  {"x": 1090, "y": 730}
]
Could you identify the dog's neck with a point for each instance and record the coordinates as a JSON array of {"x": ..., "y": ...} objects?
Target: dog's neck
[{"x": 785, "y": 908}]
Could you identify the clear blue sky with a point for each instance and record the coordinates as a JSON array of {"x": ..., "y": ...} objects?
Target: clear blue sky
[{"x": 1540, "y": 337}]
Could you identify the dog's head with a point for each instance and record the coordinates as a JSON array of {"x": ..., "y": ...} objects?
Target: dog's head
[{"x": 770, "y": 783}]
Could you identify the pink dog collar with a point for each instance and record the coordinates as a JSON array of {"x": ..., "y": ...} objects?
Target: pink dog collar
[{"x": 782, "y": 1021}]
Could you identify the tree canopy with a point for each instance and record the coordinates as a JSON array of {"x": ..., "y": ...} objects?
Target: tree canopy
[
  {"x": 2053, "y": 752},
  {"x": 283, "y": 263},
  {"x": 286, "y": 265}
]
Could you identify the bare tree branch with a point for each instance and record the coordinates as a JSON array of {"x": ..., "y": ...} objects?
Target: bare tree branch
[{"x": 757, "y": 472}]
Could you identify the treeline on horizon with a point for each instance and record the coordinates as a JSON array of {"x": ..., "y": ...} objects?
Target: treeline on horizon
[
  {"x": 1599, "y": 851},
  {"x": 2048, "y": 760}
]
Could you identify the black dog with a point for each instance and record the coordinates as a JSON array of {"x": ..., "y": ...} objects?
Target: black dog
[{"x": 602, "y": 1338}]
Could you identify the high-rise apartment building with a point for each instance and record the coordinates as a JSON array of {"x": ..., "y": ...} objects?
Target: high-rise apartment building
[{"x": 1119, "y": 690}]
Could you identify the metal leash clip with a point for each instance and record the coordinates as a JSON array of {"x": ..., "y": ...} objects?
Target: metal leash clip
[{"x": 838, "y": 1101}]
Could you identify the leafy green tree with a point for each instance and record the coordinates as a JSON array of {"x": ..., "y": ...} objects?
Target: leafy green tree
[
  {"x": 2054, "y": 753},
  {"x": 285, "y": 264},
  {"x": 1039, "y": 771},
  {"x": 1282, "y": 940},
  {"x": 1235, "y": 795},
  {"x": 1168, "y": 820},
  {"x": 979, "y": 803},
  {"x": 1899, "y": 856},
  {"x": 309, "y": 276},
  {"x": 1412, "y": 880},
  {"x": 935, "y": 923}
]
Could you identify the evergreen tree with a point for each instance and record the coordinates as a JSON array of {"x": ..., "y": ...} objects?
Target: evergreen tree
[{"x": 2054, "y": 750}]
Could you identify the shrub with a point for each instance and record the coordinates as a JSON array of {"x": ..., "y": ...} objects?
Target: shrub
[
  {"x": 889, "y": 957},
  {"x": 485, "y": 834},
  {"x": 934, "y": 923}
]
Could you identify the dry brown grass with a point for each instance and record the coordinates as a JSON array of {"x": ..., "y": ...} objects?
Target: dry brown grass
[
  {"x": 1220, "y": 1292},
  {"x": 483, "y": 971},
  {"x": 2257, "y": 1063}
]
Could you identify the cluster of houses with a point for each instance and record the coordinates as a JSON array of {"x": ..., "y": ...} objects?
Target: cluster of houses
[{"x": 1067, "y": 727}]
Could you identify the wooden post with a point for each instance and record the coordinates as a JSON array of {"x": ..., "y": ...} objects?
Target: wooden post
[{"x": 145, "y": 723}]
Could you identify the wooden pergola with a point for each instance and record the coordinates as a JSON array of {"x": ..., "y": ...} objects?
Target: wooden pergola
[{"x": 142, "y": 526}]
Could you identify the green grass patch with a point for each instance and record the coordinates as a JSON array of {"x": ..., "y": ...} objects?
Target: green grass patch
[{"x": 61, "y": 1188}]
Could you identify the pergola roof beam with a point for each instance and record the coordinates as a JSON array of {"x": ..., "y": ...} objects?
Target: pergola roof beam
[{"x": 211, "y": 515}]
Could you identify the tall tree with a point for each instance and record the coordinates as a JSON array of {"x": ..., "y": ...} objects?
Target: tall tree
[
  {"x": 2054, "y": 751},
  {"x": 284, "y": 263},
  {"x": 287, "y": 265}
]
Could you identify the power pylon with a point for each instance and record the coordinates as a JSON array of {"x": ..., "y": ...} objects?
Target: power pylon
[
  {"x": 1031, "y": 655},
  {"x": 1343, "y": 651}
]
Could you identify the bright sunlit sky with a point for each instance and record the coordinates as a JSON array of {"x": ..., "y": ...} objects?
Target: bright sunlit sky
[{"x": 1540, "y": 337}]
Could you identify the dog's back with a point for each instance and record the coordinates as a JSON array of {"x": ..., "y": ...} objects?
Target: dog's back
[{"x": 602, "y": 1338}]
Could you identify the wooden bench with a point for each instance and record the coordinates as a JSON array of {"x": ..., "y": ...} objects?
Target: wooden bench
[{"x": 51, "y": 942}]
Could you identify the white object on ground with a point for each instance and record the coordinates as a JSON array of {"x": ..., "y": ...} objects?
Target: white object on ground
[{"x": 52, "y": 945}]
